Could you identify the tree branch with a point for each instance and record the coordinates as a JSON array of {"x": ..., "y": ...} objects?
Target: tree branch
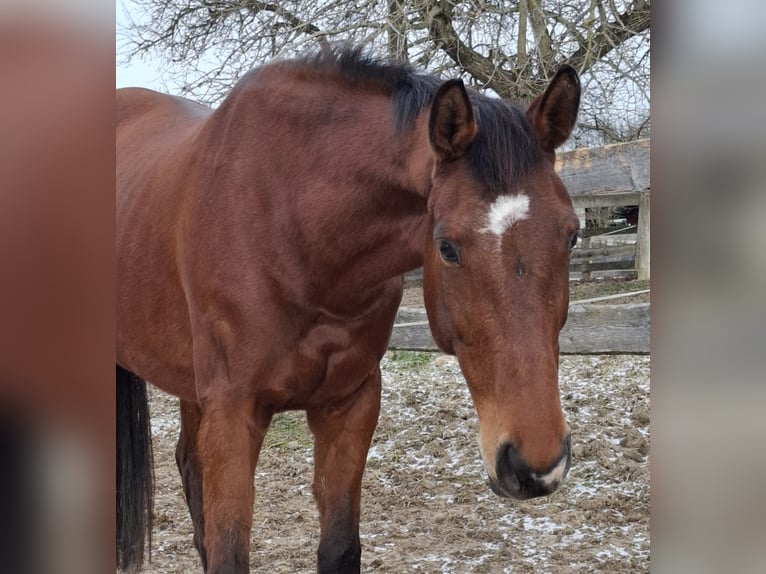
[
  {"x": 540, "y": 31},
  {"x": 297, "y": 24},
  {"x": 608, "y": 36},
  {"x": 444, "y": 35}
]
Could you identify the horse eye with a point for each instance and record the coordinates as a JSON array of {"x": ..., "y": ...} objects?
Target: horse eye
[
  {"x": 572, "y": 242},
  {"x": 448, "y": 251}
]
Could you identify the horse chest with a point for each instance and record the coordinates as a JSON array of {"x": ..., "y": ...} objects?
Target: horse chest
[{"x": 334, "y": 356}]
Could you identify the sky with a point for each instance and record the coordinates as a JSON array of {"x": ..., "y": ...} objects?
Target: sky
[{"x": 145, "y": 74}]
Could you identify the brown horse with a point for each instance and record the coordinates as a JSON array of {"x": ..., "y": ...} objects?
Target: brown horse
[{"x": 260, "y": 254}]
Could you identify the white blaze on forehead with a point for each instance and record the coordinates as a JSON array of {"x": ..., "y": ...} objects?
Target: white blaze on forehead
[{"x": 505, "y": 211}]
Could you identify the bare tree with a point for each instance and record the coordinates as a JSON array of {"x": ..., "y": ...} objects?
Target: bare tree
[{"x": 509, "y": 48}]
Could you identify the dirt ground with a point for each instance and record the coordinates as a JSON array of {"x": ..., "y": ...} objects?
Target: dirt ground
[{"x": 426, "y": 506}]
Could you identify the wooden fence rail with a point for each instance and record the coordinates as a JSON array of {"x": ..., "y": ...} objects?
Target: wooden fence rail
[{"x": 589, "y": 330}]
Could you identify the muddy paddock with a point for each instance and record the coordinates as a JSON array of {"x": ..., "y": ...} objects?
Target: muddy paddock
[{"x": 426, "y": 506}]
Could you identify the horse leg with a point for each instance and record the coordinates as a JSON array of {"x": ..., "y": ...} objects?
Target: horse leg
[
  {"x": 187, "y": 459},
  {"x": 230, "y": 437},
  {"x": 342, "y": 436}
]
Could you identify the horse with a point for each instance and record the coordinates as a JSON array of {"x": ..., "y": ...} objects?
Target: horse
[{"x": 261, "y": 249}]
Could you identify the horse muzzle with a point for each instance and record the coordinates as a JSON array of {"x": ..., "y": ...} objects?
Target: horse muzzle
[{"x": 515, "y": 479}]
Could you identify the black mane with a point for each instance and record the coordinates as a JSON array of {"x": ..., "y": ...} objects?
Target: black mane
[{"x": 505, "y": 147}]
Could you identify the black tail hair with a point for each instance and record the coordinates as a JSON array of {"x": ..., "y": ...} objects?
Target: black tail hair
[{"x": 135, "y": 471}]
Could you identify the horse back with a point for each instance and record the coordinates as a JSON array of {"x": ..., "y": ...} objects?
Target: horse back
[{"x": 134, "y": 103}]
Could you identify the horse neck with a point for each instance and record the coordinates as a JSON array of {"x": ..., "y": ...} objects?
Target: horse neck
[
  {"x": 353, "y": 190},
  {"x": 378, "y": 206}
]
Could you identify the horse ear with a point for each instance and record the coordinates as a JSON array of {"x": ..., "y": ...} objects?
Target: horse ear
[
  {"x": 452, "y": 125},
  {"x": 554, "y": 112}
]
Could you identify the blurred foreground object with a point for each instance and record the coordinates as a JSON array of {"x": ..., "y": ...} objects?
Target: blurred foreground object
[
  {"x": 56, "y": 292},
  {"x": 710, "y": 337}
]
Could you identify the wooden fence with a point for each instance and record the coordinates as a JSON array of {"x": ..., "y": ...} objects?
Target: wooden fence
[
  {"x": 612, "y": 176},
  {"x": 590, "y": 330}
]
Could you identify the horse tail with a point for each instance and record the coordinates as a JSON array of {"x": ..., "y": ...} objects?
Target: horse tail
[{"x": 135, "y": 473}]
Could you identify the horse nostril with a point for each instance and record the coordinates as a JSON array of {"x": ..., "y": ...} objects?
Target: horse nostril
[
  {"x": 512, "y": 471},
  {"x": 507, "y": 460}
]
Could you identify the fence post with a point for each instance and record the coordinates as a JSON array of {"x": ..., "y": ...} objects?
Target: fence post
[
  {"x": 584, "y": 242},
  {"x": 642, "y": 237}
]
